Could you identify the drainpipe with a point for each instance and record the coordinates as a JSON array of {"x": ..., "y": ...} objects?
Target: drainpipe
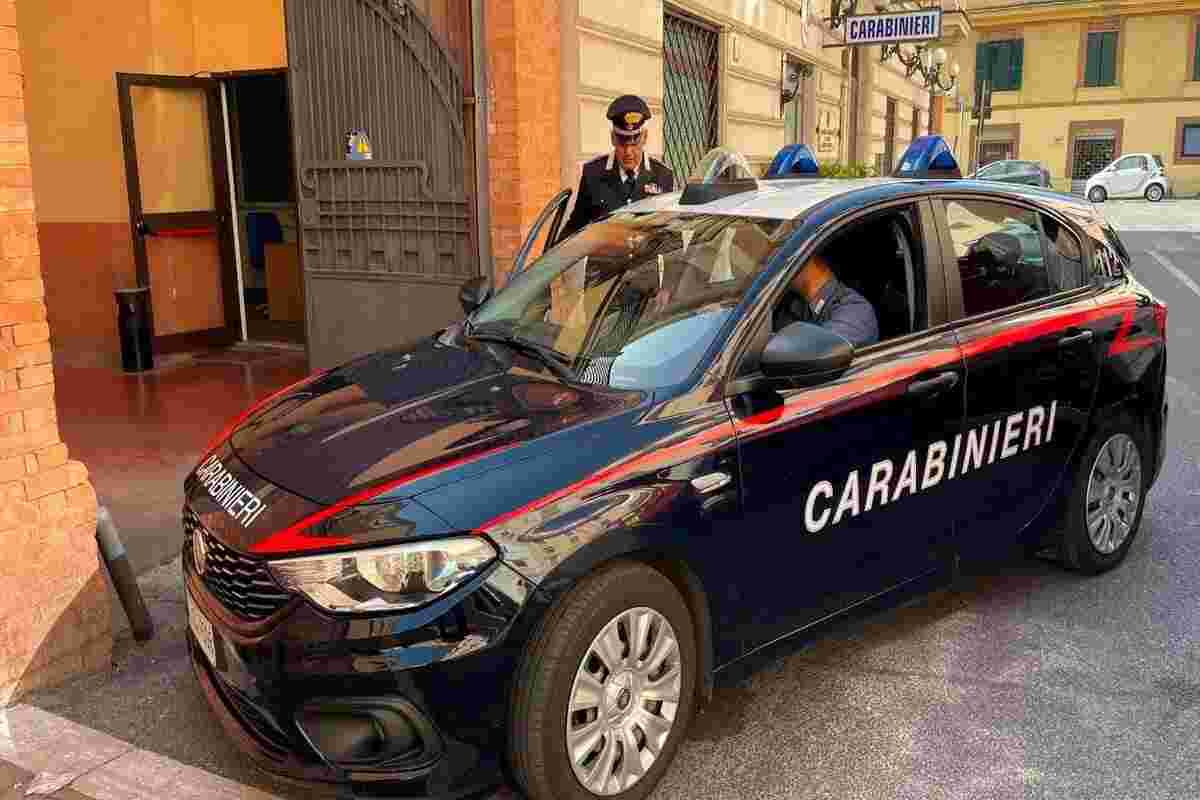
[{"x": 483, "y": 206}]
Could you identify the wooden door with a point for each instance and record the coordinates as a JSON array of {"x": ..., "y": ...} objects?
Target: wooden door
[{"x": 179, "y": 214}]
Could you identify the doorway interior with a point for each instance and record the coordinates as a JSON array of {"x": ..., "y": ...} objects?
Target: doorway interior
[{"x": 266, "y": 211}]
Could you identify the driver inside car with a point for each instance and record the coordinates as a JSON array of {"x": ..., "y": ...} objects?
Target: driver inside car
[{"x": 817, "y": 296}]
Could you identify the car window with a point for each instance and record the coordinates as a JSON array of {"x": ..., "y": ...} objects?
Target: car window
[
  {"x": 1158, "y": 160},
  {"x": 995, "y": 170},
  {"x": 1129, "y": 162},
  {"x": 880, "y": 258},
  {"x": 1064, "y": 257},
  {"x": 635, "y": 301},
  {"x": 1001, "y": 258}
]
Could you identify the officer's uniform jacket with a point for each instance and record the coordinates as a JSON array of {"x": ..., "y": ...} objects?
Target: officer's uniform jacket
[
  {"x": 602, "y": 190},
  {"x": 838, "y": 308}
]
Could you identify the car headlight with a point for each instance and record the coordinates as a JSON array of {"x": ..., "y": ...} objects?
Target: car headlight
[{"x": 385, "y": 578}]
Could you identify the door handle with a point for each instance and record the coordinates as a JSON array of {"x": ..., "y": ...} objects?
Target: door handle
[
  {"x": 1078, "y": 338},
  {"x": 707, "y": 484},
  {"x": 933, "y": 386}
]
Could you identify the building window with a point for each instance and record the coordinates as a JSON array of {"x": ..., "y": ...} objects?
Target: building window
[
  {"x": 999, "y": 62},
  {"x": 794, "y": 120},
  {"x": 691, "y": 84},
  {"x": 1101, "y": 59},
  {"x": 1187, "y": 140}
]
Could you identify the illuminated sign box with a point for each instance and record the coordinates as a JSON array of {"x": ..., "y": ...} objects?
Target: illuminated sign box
[{"x": 903, "y": 26}]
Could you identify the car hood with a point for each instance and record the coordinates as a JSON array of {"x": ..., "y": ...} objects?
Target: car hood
[{"x": 417, "y": 418}]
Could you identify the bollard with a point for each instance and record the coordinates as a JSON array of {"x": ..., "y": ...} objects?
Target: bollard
[{"x": 125, "y": 582}]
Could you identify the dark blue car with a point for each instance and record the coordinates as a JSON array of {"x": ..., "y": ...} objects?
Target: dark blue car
[{"x": 520, "y": 550}]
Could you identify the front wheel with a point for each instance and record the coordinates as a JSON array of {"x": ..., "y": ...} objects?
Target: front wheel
[
  {"x": 1097, "y": 194},
  {"x": 605, "y": 690},
  {"x": 1107, "y": 497},
  {"x": 1154, "y": 193}
]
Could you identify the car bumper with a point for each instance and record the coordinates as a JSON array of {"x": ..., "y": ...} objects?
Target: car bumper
[{"x": 413, "y": 705}]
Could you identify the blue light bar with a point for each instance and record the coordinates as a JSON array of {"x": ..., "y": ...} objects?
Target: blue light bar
[
  {"x": 792, "y": 161},
  {"x": 928, "y": 157}
]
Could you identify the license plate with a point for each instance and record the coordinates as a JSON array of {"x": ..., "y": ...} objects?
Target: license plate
[{"x": 202, "y": 630}]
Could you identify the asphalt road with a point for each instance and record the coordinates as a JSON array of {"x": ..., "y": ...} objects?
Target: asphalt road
[{"x": 1021, "y": 681}]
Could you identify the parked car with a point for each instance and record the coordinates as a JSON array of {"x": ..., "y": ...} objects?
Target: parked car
[
  {"x": 521, "y": 549},
  {"x": 1134, "y": 175},
  {"x": 1027, "y": 173}
]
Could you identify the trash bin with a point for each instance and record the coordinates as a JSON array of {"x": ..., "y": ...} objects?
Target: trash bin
[{"x": 133, "y": 324}]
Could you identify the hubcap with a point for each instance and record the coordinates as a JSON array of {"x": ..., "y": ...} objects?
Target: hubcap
[
  {"x": 624, "y": 700},
  {"x": 1155, "y": 193},
  {"x": 1114, "y": 489}
]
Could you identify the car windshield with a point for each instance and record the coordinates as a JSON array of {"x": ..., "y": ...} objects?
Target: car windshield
[
  {"x": 635, "y": 301},
  {"x": 1158, "y": 160}
]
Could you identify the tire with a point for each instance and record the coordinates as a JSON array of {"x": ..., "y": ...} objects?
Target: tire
[
  {"x": 1080, "y": 549},
  {"x": 1154, "y": 193},
  {"x": 1098, "y": 194},
  {"x": 564, "y": 646}
]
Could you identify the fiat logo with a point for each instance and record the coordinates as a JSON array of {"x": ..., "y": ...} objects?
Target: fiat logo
[{"x": 200, "y": 552}]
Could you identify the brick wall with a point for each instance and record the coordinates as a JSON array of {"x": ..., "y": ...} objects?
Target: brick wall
[
  {"x": 54, "y": 604},
  {"x": 524, "y": 134}
]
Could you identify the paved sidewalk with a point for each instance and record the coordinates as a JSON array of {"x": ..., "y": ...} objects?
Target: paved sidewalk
[{"x": 40, "y": 750}]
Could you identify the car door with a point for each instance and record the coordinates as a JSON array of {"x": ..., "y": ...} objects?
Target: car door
[
  {"x": 1026, "y": 321},
  {"x": 839, "y": 501},
  {"x": 1129, "y": 175},
  {"x": 548, "y": 222}
]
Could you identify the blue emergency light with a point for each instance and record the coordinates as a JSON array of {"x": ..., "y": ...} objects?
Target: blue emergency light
[
  {"x": 793, "y": 161},
  {"x": 928, "y": 157}
]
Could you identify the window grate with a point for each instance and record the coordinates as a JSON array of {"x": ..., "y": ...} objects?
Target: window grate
[
  {"x": 1090, "y": 156},
  {"x": 691, "y": 65}
]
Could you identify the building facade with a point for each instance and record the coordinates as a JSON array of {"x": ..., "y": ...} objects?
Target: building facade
[
  {"x": 1077, "y": 83},
  {"x": 712, "y": 71},
  {"x": 192, "y": 146}
]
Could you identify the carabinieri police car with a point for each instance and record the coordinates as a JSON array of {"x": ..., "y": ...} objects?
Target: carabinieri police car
[{"x": 520, "y": 550}]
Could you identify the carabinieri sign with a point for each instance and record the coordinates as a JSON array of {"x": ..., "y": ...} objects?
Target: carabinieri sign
[{"x": 903, "y": 26}]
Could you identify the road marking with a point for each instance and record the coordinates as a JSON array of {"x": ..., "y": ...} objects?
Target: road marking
[{"x": 1176, "y": 271}]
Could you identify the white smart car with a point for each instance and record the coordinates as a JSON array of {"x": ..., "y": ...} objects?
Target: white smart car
[{"x": 1133, "y": 175}]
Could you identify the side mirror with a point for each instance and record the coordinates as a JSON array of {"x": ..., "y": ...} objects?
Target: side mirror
[
  {"x": 802, "y": 354},
  {"x": 474, "y": 293},
  {"x": 806, "y": 353}
]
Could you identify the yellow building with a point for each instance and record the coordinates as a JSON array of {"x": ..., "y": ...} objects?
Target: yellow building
[{"x": 1076, "y": 83}]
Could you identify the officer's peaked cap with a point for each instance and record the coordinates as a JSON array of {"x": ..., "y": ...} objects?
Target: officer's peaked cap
[{"x": 629, "y": 115}]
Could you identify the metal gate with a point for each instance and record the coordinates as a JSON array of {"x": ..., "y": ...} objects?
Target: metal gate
[
  {"x": 691, "y": 71},
  {"x": 386, "y": 241}
]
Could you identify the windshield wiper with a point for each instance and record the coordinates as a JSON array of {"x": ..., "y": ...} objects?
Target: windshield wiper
[{"x": 557, "y": 362}]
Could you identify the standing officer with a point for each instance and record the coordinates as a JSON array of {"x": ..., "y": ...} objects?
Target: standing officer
[{"x": 625, "y": 175}]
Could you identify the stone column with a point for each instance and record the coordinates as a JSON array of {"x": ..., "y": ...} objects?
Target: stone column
[{"x": 54, "y": 602}]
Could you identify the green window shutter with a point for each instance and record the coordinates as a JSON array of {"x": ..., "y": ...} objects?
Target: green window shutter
[
  {"x": 1018, "y": 58},
  {"x": 1196, "y": 58},
  {"x": 1091, "y": 74},
  {"x": 1001, "y": 67},
  {"x": 982, "y": 59},
  {"x": 1108, "y": 71}
]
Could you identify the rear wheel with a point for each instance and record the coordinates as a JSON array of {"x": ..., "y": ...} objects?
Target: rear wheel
[
  {"x": 1107, "y": 497},
  {"x": 1154, "y": 193},
  {"x": 606, "y": 689},
  {"x": 1097, "y": 194}
]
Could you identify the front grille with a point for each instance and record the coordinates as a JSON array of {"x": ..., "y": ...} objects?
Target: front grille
[{"x": 242, "y": 584}]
